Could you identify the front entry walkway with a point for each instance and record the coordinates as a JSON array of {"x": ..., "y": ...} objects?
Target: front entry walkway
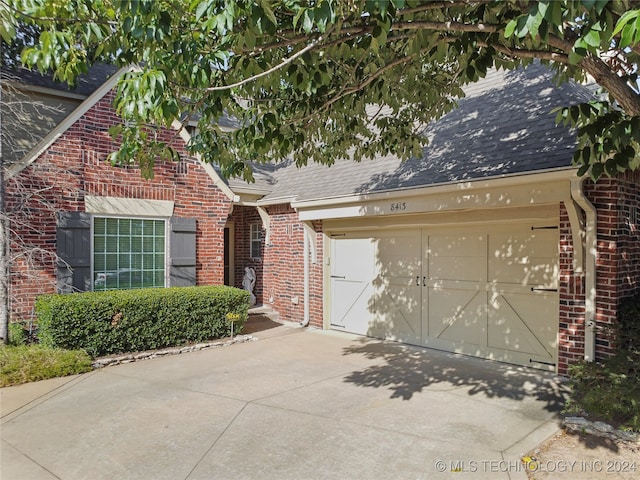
[{"x": 297, "y": 403}]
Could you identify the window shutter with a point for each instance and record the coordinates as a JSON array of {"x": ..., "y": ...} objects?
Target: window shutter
[
  {"x": 73, "y": 247},
  {"x": 182, "y": 252}
]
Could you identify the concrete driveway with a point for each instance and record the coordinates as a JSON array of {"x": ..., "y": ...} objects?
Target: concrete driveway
[{"x": 296, "y": 404}]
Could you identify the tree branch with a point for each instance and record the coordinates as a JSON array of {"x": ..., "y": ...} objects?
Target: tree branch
[
  {"x": 627, "y": 97},
  {"x": 282, "y": 64},
  {"x": 451, "y": 26},
  {"x": 520, "y": 53}
]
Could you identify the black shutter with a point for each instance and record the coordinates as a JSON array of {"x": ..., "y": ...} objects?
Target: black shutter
[
  {"x": 182, "y": 252},
  {"x": 73, "y": 246}
]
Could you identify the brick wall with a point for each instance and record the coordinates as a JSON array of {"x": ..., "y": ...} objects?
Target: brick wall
[
  {"x": 617, "y": 201},
  {"x": 280, "y": 270},
  {"x": 629, "y": 235},
  {"x": 571, "y": 294},
  {"x": 242, "y": 217},
  {"x": 73, "y": 167}
]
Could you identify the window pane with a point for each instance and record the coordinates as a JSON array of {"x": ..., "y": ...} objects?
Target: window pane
[
  {"x": 136, "y": 227},
  {"x": 128, "y": 253},
  {"x": 111, "y": 226},
  {"x": 99, "y": 226},
  {"x": 125, "y": 227}
]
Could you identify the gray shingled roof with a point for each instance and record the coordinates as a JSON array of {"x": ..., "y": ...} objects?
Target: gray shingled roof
[
  {"x": 29, "y": 115},
  {"x": 86, "y": 84},
  {"x": 503, "y": 126}
]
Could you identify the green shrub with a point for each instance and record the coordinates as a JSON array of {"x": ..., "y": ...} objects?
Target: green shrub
[
  {"x": 610, "y": 390},
  {"x": 29, "y": 363},
  {"x": 17, "y": 334},
  {"x": 119, "y": 321}
]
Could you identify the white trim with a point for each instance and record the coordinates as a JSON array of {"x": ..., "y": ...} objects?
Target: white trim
[
  {"x": 591, "y": 253},
  {"x": 128, "y": 206},
  {"x": 277, "y": 200},
  {"x": 52, "y": 92},
  {"x": 534, "y": 192},
  {"x": 310, "y": 235},
  {"x": 266, "y": 223},
  {"x": 456, "y": 186},
  {"x": 251, "y": 240}
]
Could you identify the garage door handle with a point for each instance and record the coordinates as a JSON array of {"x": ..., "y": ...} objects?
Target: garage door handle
[
  {"x": 424, "y": 281},
  {"x": 533, "y": 289},
  {"x": 418, "y": 281},
  {"x": 338, "y": 276}
]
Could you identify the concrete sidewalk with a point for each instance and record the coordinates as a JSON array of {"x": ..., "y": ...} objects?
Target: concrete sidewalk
[{"x": 296, "y": 404}]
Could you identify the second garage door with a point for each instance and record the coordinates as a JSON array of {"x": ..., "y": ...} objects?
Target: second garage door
[{"x": 484, "y": 291}]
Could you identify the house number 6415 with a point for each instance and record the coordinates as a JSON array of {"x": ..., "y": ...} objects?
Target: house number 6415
[{"x": 398, "y": 206}]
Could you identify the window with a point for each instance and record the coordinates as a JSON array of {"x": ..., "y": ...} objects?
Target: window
[
  {"x": 256, "y": 240},
  {"x": 128, "y": 253}
]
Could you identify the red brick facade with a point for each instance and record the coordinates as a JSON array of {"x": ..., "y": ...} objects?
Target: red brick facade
[
  {"x": 280, "y": 269},
  {"x": 617, "y": 201},
  {"x": 72, "y": 167}
]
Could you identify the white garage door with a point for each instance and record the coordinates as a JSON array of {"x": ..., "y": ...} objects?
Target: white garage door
[{"x": 485, "y": 291}]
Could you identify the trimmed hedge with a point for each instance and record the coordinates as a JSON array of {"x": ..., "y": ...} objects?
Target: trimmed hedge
[{"x": 118, "y": 321}]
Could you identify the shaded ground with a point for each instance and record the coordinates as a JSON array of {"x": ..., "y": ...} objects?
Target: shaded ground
[
  {"x": 258, "y": 322},
  {"x": 582, "y": 456}
]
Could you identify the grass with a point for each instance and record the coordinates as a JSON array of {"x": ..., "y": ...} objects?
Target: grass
[
  {"x": 30, "y": 363},
  {"x": 610, "y": 390}
]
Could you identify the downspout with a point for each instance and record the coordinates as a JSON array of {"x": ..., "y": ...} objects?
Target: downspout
[
  {"x": 305, "y": 250},
  {"x": 309, "y": 250},
  {"x": 591, "y": 247}
]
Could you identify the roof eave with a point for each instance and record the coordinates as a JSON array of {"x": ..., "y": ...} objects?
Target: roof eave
[{"x": 560, "y": 173}]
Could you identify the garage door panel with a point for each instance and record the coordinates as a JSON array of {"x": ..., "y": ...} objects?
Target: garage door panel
[
  {"x": 353, "y": 258},
  {"x": 524, "y": 323},
  {"x": 456, "y": 257},
  {"x": 457, "y": 244},
  {"x": 457, "y": 315},
  {"x": 470, "y": 268},
  {"x": 484, "y": 290},
  {"x": 352, "y": 272},
  {"x": 398, "y": 312},
  {"x": 351, "y": 306},
  {"x": 524, "y": 258},
  {"x": 399, "y": 254}
]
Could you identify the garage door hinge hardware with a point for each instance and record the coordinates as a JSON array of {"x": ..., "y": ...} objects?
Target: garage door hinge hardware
[
  {"x": 550, "y": 227},
  {"x": 338, "y": 235},
  {"x": 533, "y": 289},
  {"x": 531, "y": 360},
  {"x": 338, "y": 276}
]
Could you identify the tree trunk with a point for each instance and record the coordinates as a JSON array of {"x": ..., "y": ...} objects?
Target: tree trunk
[
  {"x": 4, "y": 260},
  {"x": 620, "y": 90}
]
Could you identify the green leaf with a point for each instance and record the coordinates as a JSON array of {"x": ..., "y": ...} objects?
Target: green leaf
[
  {"x": 510, "y": 28},
  {"x": 597, "y": 169},
  {"x": 203, "y": 7},
  {"x": 592, "y": 38},
  {"x": 266, "y": 8},
  {"x": 625, "y": 19}
]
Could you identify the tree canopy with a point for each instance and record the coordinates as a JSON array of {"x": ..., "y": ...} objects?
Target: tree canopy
[{"x": 308, "y": 79}]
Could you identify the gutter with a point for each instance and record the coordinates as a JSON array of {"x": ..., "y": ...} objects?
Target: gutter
[
  {"x": 446, "y": 187},
  {"x": 305, "y": 314},
  {"x": 310, "y": 255},
  {"x": 591, "y": 244}
]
